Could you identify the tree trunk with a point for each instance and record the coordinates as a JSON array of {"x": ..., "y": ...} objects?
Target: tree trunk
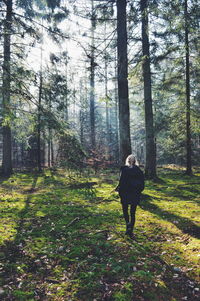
[
  {"x": 81, "y": 112},
  {"x": 7, "y": 146},
  {"x": 22, "y": 155},
  {"x": 116, "y": 116},
  {"x": 52, "y": 153},
  {"x": 124, "y": 118},
  {"x": 66, "y": 113},
  {"x": 150, "y": 164},
  {"x": 187, "y": 75},
  {"x": 107, "y": 101},
  {"x": 92, "y": 75},
  {"x": 39, "y": 125},
  {"x": 49, "y": 137},
  {"x": 49, "y": 147}
]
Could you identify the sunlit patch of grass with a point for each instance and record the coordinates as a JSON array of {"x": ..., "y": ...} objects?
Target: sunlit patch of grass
[
  {"x": 67, "y": 239},
  {"x": 7, "y": 229}
]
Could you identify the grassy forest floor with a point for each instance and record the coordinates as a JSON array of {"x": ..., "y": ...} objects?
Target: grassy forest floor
[{"x": 62, "y": 238}]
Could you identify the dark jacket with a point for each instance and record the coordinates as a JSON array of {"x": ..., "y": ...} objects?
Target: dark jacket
[{"x": 131, "y": 184}]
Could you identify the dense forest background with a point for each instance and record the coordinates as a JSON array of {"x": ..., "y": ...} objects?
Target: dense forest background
[
  {"x": 83, "y": 84},
  {"x": 87, "y": 82}
]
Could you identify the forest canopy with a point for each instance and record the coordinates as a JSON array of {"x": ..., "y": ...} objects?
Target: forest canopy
[{"x": 115, "y": 76}]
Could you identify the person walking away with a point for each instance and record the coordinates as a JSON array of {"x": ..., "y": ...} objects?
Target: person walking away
[{"x": 131, "y": 184}]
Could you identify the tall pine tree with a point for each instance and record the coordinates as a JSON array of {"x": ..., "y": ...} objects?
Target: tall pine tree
[
  {"x": 150, "y": 164},
  {"x": 124, "y": 116}
]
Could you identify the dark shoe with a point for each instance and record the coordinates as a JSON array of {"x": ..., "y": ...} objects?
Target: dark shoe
[
  {"x": 132, "y": 236},
  {"x": 128, "y": 229}
]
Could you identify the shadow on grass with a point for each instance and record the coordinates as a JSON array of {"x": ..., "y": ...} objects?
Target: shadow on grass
[
  {"x": 26, "y": 209},
  {"x": 183, "y": 223},
  {"x": 3, "y": 178},
  {"x": 186, "y": 193},
  {"x": 72, "y": 252},
  {"x": 46, "y": 246}
]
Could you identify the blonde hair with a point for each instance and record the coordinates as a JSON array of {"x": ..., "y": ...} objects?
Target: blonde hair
[{"x": 131, "y": 161}]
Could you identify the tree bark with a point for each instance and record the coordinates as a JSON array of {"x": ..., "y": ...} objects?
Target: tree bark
[
  {"x": 150, "y": 164},
  {"x": 52, "y": 153},
  {"x": 7, "y": 144},
  {"x": 39, "y": 125},
  {"x": 49, "y": 147},
  {"x": 49, "y": 134},
  {"x": 92, "y": 75},
  {"x": 187, "y": 78},
  {"x": 124, "y": 115},
  {"x": 81, "y": 112},
  {"x": 116, "y": 115},
  {"x": 108, "y": 135}
]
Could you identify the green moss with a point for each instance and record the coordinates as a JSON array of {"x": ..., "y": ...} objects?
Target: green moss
[
  {"x": 65, "y": 238},
  {"x": 23, "y": 296},
  {"x": 125, "y": 294}
]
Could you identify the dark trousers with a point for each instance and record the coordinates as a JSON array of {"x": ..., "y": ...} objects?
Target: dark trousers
[{"x": 129, "y": 219}]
